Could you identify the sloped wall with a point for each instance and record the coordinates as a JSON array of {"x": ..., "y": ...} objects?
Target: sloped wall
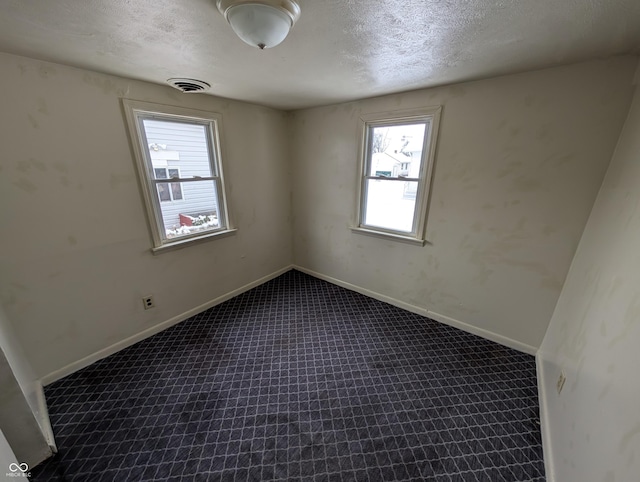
[{"x": 593, "y": 425}]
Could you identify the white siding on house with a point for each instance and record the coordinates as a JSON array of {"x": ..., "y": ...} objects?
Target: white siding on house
[{"x": 190, "y": 142}]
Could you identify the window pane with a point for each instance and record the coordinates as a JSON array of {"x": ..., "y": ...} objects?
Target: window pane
[
  {"x": 197, "y": 213},
  {"x": 390, "y": 204},
  {"x": 160, "y": 173},
  {"x": 180, "y": 144},
  {"x": 396, "y": 151},
  {"x": 176, "y": 191},
  {"x": 173, "y": 173},
  {"x": 163, "y": 191}
]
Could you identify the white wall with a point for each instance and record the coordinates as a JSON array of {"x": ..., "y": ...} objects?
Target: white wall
[
  {"x": 593, "y": 426},
  {"x": 23, "y": 414},
  {"x": 20, "y": 413},
  {"x": 7, "y": 457},
  {"x": 22, "y": 372},
  {"x": 17, "y": 421},
  {"x": 75, "y": 255},
  {"x": 519, "y": 163}
]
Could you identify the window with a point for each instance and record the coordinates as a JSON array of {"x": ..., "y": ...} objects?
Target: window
[
  {"x": 397, "y": 158},
  {"x": 168, "y": 191},
  {"x": 178, "y": 158}
]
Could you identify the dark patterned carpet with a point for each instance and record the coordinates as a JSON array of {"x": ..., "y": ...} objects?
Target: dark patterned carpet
[{"x": 299, "y": 379}]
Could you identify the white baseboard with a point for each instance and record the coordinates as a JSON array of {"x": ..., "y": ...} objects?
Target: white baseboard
[
  {"x": 363, "y": 291},
  {"x": 544, "y": 421},
  {"x": 502, "y": 340},
  {"x": 489, "y": 335},
  {"x": 116, "y": 347},
  {"x": 105, "y": 352}
]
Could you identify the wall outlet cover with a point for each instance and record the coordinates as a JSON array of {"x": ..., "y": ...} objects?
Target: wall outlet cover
[{"x": 148, "y": 303}]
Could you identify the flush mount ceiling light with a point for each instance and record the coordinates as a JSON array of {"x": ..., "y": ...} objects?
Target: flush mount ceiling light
[{"x": 260, "y": 23}]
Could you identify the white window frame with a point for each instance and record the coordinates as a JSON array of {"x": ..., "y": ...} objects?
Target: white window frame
[
  {"x": 135, "y": 113},
  {"x": 431, "y": 117}
]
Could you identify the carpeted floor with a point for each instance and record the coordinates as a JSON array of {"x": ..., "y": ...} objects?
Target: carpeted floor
[{"x": 299, "y": 379}]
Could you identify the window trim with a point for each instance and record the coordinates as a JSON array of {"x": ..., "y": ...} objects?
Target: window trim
[
  {"x": 135, "y": 111},
  {"x": 430, "y": 115}
]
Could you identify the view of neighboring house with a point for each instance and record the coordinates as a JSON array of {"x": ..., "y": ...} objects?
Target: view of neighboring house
[{"x": 180, "y": 150}]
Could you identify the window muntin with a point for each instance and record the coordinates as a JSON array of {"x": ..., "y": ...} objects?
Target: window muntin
[
  {"x": 397, "y": 158},
  {"x": 178, "y": 158}
]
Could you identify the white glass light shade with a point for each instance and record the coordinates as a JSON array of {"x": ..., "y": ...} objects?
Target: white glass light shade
[{"x": 259, "y": 25}]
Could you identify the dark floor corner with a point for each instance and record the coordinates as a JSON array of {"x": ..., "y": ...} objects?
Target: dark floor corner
[{"x": 299, "y": 379}]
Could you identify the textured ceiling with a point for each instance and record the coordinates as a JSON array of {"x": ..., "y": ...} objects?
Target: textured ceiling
[{"x": 339, "y": 49}]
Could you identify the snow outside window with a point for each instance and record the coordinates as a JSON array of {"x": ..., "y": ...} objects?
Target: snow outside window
[{"x": 179, "y": 161}]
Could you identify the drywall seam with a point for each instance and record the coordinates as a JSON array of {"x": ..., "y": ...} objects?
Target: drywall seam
[
  {"x": 502, "y": 340},
  {"x": 116, "y": 347},
  {"x": 544, "y": 421}
]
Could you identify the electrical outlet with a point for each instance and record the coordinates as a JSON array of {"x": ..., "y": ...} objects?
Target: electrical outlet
[
  {"x": 148, "y": 303},
  {"x": 560, "y": 383}
]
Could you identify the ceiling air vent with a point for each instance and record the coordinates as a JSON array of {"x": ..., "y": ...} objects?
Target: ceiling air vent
[{"x": 189, "y": 86}]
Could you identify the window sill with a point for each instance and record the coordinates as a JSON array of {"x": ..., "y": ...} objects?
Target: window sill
[
  {"x": 183, "y": 243},
  {"x": 390, "y": 236}
]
